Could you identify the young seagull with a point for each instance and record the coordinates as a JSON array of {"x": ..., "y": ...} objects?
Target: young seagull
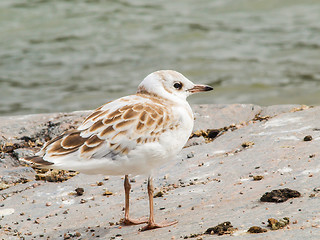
[{"x": 130, "y": 135}]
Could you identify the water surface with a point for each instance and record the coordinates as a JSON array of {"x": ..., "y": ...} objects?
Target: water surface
[{"x": 70, "y": 55}]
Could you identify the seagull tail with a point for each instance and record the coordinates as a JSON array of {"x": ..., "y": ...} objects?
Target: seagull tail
[{"x": 36, "y": 160}]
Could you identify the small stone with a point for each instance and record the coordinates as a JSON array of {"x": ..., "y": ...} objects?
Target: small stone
[
  {"x": 48, "y": 204},
  {"x": 132, "y": 180},
  {"x": 190, "y": 155},
  {"x": 83, "y": 201},
  {"x": 247, "y": 144},
  {"x": 279, "y": 195},
  {"x": 79, "y": 191},
  {"x": 275, "y": 224},
  {"x": 307, "y": 138},
  {"x": 317, "y": 189},
  {"x": 99, "y": 183},
  {"x": 257, "y": 178},
  {"x": 256, "y": 229},
  {"x": 66, "y": 236},
  {"x": 212, "y": 133},
  {"x": 158, "y": 194},
  {"x": 107, "y": 193},
  {"x": 221, "y": 229}
]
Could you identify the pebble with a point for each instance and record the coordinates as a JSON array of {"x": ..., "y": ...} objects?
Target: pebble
[
  {"x": 99, "y": 183},
  {"x": 79, "y": 191},
  {"x": 107, "y": 193},
  {"x": 317, "y": 189},
  {"x": 158, "y": 194},
  {"x": 190, "y": 155},
  {"x": 307, "y": 138}
]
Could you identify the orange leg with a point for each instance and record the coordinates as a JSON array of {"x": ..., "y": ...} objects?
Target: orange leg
[
  {"x": 151, "y": 224},
  {"x": 127, "y": 220}
]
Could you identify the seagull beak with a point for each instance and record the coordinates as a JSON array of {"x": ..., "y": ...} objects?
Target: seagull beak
[{"x": 200, "y": 88}]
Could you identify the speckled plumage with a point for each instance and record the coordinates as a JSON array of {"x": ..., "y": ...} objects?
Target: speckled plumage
[{"x": 130, "y": 135}]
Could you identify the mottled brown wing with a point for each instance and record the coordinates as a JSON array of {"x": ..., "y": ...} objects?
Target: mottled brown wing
[
  {"x": 123, "y": 129},
  {"x": 114, "y": 129}
]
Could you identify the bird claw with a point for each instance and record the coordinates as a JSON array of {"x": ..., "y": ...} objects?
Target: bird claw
[
  {"x": 151, "y": 226},
  {"x": 129, "y": 221}
]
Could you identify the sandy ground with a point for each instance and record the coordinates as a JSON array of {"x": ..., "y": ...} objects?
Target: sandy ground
[{"x": 251, "y": 150}]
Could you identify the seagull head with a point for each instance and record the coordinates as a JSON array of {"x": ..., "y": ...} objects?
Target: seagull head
[{"x": 171, "y": 85}]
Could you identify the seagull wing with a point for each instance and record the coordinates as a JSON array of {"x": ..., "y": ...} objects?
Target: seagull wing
[{"x": 112, "y": 130}]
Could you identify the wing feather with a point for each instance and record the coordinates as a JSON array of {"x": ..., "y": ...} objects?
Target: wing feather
[{"x": 114, "y": 129}]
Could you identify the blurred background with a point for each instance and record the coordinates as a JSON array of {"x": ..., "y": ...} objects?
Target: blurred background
[{"x": 67, "y": 55}]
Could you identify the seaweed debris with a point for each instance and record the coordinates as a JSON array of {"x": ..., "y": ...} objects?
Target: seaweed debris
[{"x": 279, "y": 195}]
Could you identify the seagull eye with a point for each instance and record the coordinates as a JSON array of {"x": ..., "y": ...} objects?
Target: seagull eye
[{"x": 177, "y": 85}]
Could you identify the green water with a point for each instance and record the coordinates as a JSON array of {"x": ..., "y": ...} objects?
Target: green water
[{"x": 70, "y": 55}]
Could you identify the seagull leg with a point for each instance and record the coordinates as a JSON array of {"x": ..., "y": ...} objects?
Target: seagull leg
[
  {"x": 127, "y": 220},
  {"x": 151, "y": 224}
]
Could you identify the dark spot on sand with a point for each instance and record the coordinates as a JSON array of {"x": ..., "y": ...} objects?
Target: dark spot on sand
[
  {"x": 307, "y": 138},
  {"x": 190, "y": 155},
  {"x": 257, "y": 177},
  {"x": 279, "y": 195},
  {"x": 107, "y": 193},
  {"x": 27, "y": 139},
  {"x": 274, "y": 224},
  {"x": 209, "y": 134},
  {"x": 158, "y": 194},
  {"x": 54, "y": 175},
  {"x": 259, "y": 118},
  {"x": 213, "y": 133},
  {"x": 247, "y": 144},
  {"x": 256, "y": 229},
  {"x": 316, "y": 189},
  {"x": 79, "y": 191},
  {"x": 221, "y": 229}
]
